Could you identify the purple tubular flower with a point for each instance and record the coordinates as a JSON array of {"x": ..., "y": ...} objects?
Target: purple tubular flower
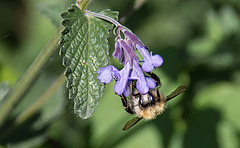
[
  {"x": 118, "y": 51},
  {"x": 129, "y": 42},
  {"x": 106, "y": 74},
  {"x": 126, "y": 91},
  {"x": 121, "y": 84},
  {"x": 138, "y": 75},
  {"x": 150, "y": 61},
  {"x": 130, "y": 52},
  {"x": 126, "y": 58},
  {"x": 133, "y": 38}
]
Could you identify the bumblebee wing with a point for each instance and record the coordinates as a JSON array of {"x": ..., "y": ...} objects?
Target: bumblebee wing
[
  {"x": 176, "y": 92},
  {"x": 131, "y": 123}
]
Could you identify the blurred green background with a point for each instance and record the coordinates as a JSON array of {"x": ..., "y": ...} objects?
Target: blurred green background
[{"x": 199, "y": 41}]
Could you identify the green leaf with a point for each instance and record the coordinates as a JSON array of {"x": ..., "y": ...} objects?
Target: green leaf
[{"x": 84, "y": 49}]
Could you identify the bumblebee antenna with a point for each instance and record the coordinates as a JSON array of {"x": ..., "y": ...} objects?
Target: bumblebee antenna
[{"x": 176, "y": 92}]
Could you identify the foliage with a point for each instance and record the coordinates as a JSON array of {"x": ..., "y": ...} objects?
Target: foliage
[{"x": 199, "y": 42}]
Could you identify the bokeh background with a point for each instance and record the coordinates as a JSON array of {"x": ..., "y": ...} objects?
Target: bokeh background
[{"x": 199, "y": 41}]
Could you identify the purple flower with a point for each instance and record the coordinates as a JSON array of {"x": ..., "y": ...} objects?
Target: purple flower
[
  {"x": 125, "y": 53},
  {"x": 138, "y": 75},
  {"x": 133, "y": 38},
  {"x": 150, "y": 61},
  {"x": 143, "y": 83},
  {"x": 118, "y": 51},
  {"x": 122, "y": 80},
  {"x": 106, "y": 74},
  {"x": 129, "y": 54},
  {"x": 151, "y": 82}
]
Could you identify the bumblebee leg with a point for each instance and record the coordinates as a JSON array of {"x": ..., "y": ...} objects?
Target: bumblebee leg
[
  {"x": 125, "y": 104},
  {"x": 155, "y": 77},
  {"x": 124, "y": 100},
  {"x": 129, "y": 110},
  {"x": 133, "y": 89}
]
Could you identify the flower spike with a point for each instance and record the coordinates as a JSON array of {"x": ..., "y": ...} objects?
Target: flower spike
[{"x": 125, "y": 46}]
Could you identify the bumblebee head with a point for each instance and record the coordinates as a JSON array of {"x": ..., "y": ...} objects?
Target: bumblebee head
[{"x": 149, "y": 105}]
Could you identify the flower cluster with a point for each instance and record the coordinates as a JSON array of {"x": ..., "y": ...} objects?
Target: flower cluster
[{"x": 132, "y": 70}]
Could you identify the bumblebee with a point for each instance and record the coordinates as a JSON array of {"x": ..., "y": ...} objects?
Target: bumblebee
[{"x": 147, "y": 106}]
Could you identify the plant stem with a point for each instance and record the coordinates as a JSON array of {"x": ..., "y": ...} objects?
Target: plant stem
[
  {"x": 40, "y": 101},
  {"x": 104, "y": 17},
  {"x": 29, "y": 76}
]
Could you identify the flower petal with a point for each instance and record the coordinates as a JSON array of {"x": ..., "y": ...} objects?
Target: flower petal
[
  {"x": 141, "y": 86},
  {"x": 106, "y": 73},
  {"x": 147, "y": 66},
  {"x": 120, "y": 85},
  {"x": 126, "y": 91},
  {"x": 151, "y": 82},
  {"x": 130, "y": 51},
  {"x": 135, "y": 40},
  {"x": 149, "y": 61},
  {"x": 118, "y": 51},
  {"x": 157, "y": 60},
  {"x": 138, "y": 75}
]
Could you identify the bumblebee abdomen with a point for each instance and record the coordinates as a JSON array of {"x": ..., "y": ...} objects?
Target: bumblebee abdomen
[{"x": 150, "y": 112}]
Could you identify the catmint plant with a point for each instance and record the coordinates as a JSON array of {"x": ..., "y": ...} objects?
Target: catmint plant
[
  {"x": 84, "y": 49},
  {"x": 133, "y": 69}
]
